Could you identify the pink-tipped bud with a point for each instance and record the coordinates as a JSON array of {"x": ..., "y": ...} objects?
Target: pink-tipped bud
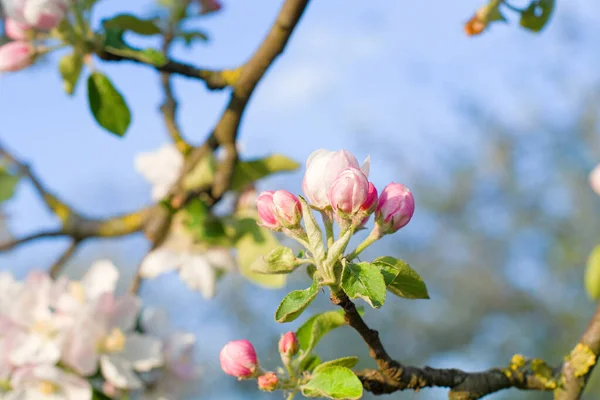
[
  {"x": 595, "y": 179},
  {"x": 288, "y": 211},
  {"x": 238, "y": 358},
  {"x": 209, "y": 6},
  {"x": 15, "y": 56},
  {"x": 395, "y": 209},
  {"x": 268, "y": 382},
  {"x": 349, "y": 192},
  {"x": 370, "y": 204},
  {"x": 288, "y": 344},
  {"x": 266, "y": 210},
  {"x": 16, "y": 30},
  {"x": 45, "y": 14}
]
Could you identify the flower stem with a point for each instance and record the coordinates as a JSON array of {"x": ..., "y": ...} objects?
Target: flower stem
[
  {"x": 328, "y": 222},
  {"x": 374, "y": 236}
]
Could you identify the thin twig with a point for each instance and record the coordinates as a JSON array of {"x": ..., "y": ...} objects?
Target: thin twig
[
  {"x": 39, "y": 235},
  {"x": 64, "y": 258}
]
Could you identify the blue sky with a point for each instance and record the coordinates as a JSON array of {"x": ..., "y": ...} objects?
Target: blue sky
[{"x": 385, "y": 78}]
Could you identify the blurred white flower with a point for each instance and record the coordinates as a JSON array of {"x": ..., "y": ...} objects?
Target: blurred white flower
[
  {"x": 47, "y": 382},
  {"x": 161, "y": 168}
]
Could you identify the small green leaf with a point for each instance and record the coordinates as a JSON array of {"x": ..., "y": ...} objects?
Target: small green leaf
[
  {"x": 107, "y": 105},
  {"x": 537, "y": 14},
  {"x": 247, "y": 172},
  {"x": 364, "y": 280},
  {"x": 205, "y": 226},
  {"x": 310, "y": 363},
  {"x": 148, "y": 56},
  {"x": 294, "y": 303},
  {"x": 70, "y": 67},
  {"x": 348, "y": 362},
  {"x": 318, "y": 326},
  {"x": 333, "y": 383},
  {"x": 132, "y": 23},
  {"x": 315, "y": 235},
  {"x": 337, "y": 249},
  {"x": 280, "y": 260},
  {"x": 253, "y": 241},
  {"x": 401, "y": 279},
  {"x": 8, "y": 184},
  {"x": 189, "y": 37},
  {"x": 592, "y": 274}
]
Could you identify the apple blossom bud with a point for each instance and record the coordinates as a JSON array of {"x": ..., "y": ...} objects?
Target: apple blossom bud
[
  {"x": 268, "y": 382},
  {"x": 349, "y": 192},
  {"x": 15, "y": 30},
  {"x": 266, "y": 210},
  {"x": 15, "y": 56},
  {"x": 595, "y": 179},
  {"x": 209, "y": 6},
  {"x": 44, "y": 14},
  {"x": 287, "y": 208},
  {"x": 370, "y": 204},
  {"x": 288, "y": 344},
  {"x": 395, "y": 209},
  {"x": 322, "y": 168},
  {"x": 238, "y": 358}
]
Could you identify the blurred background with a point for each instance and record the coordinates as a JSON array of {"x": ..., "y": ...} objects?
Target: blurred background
[{"x": 495, "y": 135}]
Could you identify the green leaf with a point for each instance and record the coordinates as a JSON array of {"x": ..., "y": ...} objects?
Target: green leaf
[
  {"x": 537, "y": 14},
  {"x": 148, "y": 56},
  {"x": 401, "y": 279},
  {"x": 313, "y": 231},
  {"x": 132, "y": 23},
  {"x": 8, "y": 184},
  {"x": 189, "y": 37},
  {"x": 205, "y": 226},
  {"x": 280, "y": 260},
  {"x": 70, "y": 67},
  {"x": 310, "y": 363},
  {"x": 333, "y": 383},
  {"x": 247, "y": 172},
  {"x": 253, "y": 241},
  {"x": 348, "y": 362},
  {"x": 337, "y": 249},
  {"x": 364, "y": 280},
  {"x": 316, "y": 327},
  {"x": 592, "y": 274},
  {"x": 294, "y": 303},
  {"x": 107, "y": 104}
]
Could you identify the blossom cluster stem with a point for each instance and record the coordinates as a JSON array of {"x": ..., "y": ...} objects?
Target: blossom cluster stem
[
  {"x": 328, "y": 223},
  {"x": 374, "y": 236}
]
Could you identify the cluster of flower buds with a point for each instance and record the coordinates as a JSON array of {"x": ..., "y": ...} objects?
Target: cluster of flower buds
[
  {"x": 60, "y": 338},
  {"x": 24, "y": 17},
  {"x": 335, "y": 183},
  {"x": 238, "y": 358}
]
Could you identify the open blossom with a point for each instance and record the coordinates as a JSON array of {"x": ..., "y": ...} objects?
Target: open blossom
[
  {"x": 39, "y": 14},
  {"x": 197, "y": 266},
  {"x": 238, "y": 358},
  {"x": 15, "y": 56},
  {"x": 161, "y": 168},
  {"x": 395, "y": 209},
  {"x": 322, "y": 168},
  {"x": 48, "y": 382}
]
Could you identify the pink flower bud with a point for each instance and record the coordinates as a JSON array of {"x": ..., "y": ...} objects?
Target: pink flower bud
[
  {"x": 370, "y": 204},
  {"x": 266, "y": 210},
  {"x": 288, "y": 344},
  {"x": 395, "y": 209},
  {"x": 349, "y": 192},
  {"x": 268, "y": 382},
  {"x": 44, "y": 14},
  {"x": 209, "y": 6},
  {"x": 15, "y": 30},
  {"x": 322, "y": 169},
  {"x": 595, "y": 179},
  {"x": 287, "y": 208},
  {"x": 238, "y": 358},
  {"x": 15, "y": 56}
]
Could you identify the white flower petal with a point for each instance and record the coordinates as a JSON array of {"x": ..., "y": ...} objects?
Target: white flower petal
[
  {"x": 102, "y": 277},
  {"x": 161, "y": 168},
  {"x": 125, "y": 313},
  {"x": 155, "y": 322},
  {"x": 219, "y": 257},
  {"x": 31, "y": 348},
  {"x": 143, "y": 352},
  {"x": 158, "y": 262},
  {"x": 197, "y": 273},
  {"x": 366, "y": 166},
  {"x": 75, "y": 388},
  {"x": 119, "y": 372}
]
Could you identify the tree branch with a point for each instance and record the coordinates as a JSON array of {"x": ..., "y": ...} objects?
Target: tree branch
[
  {"x": 11, "y": 244},
  {"x": 392, "y": 376},
  {"x": 64, "y": 258}
]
